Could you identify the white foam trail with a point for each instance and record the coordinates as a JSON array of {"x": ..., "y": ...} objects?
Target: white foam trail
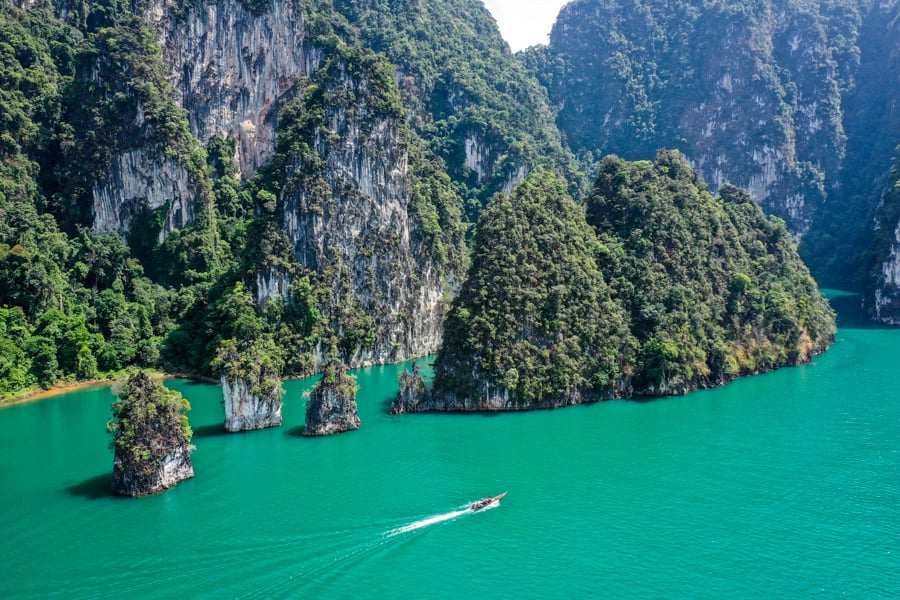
[{"x": 428, "y": 521}]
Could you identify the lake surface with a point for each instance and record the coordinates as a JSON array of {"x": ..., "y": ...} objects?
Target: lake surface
[{"x": 780, "y": 485}]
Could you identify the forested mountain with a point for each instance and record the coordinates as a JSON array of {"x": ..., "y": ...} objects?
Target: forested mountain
[
  {"x": 179, "y": 177},
  {"x": 794, "y": 100},
  {"x": 672, "y": 290},
  {"x": 178, "y": 174},
  {"x": 535, "y": 324},
  {"x": 713, "y": 288}
]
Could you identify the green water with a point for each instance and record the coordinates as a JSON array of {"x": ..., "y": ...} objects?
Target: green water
[{"x": 782, "y": 485}]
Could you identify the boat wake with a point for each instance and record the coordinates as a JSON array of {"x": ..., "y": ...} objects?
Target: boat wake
[
  {"x": 337, "y": 551},
  {"x": 462, "y": 510},
  {"x": 426, "y": 522}
]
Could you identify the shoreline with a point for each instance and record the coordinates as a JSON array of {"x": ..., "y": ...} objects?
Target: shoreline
[{"x": 35, "y": 395}]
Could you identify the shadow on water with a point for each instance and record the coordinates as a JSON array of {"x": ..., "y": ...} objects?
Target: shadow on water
[
  {"x": 208, "y": 431},
  {"x": 297, "y": 431},
  {"x": 850, "y": 314},
  {"x": 95, "y": 488}
]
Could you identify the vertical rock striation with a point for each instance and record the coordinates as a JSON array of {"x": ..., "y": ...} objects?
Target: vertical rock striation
[
  {"x": 346, "y": 210},
  {"x": 332, "y": 403},
  {"x": 251, "y": 385},
  {"x": 249, "y": 407},
  {"x": 138, "y": 181},
  {"x": 229, "y": 66}
]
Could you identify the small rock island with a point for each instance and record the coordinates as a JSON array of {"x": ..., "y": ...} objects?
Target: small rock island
[
  {"x": 332, "y": 403},
  {"x": 251, "y": 385},
  {"x": 151, "y": 438},
  {"x": 412, "y": 392}
]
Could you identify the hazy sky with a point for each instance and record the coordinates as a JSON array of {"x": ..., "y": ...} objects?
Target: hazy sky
[{"x": 525, "y": 23}]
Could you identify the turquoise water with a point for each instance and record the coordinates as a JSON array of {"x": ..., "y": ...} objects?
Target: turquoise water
[{"x": 781, "y": 485}]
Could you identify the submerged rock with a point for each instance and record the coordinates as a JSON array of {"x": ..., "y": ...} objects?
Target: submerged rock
[
  {"x": 332, "y": 404},
  {"x": 152, "y": 438},
  {"x": 251, "y": 385}
]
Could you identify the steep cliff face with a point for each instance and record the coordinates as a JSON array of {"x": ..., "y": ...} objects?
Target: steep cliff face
[
  {"x": 135, "y": 151},
  {"x": 871, "y": 184},
  {"x": 750, "y": 94},
  {"x": 251, "y": 385},
  {"x": 169, "y": 470},
  {"x": 346, "y": 210},
  {"x": 229, "y": 65},
  {"x": 332, "y": 403},
  {"x": 136, "y": 182},
  {"x": 469, "y": 97},
  {"x": 882, "y": 294},
  {"x": 247, "y": 407}
]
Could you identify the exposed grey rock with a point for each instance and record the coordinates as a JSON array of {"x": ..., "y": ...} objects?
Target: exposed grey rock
[
  {"x": 332, "y": 403},
  {"x": 352, "y": 221},
  {"x": 413, "y": 392},
  {"x": 169, "y": 470},
  {"x": 251, "y": 385},
  {"x": 139, "y": 180},
  {"x": 229, "y": 67},
  {"x": 249, "y": 404}
]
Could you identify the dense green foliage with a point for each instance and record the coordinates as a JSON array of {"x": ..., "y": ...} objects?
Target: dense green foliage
[
  {"x": 712, "y": 287},
  {"x": 149, "y": 420},
  {"x": 78, "y": 304},
  {"x": 461, "y": 82},
  {"x": 82, "y": 86},
  {"x": 787, "y": 97},
  {"x": 675, "y": 290},
  {"x": 257, "y": 362},
  {"x": 534, "y": 317}
]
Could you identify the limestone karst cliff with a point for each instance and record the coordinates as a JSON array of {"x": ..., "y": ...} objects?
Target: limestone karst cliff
[
  {"x": 229, "y": 65},
  {"x": 750, "y": 94},
  {"x": 882, "y": 294},
  {"x": 151, "y": 438},
  {"x": 178, "y": 173},
  {"x": 251, "y": 385},
  {"x": 346, "y": 203},
  {"x": 331, "y": 407},
  {"x": 794, "y": 101}
]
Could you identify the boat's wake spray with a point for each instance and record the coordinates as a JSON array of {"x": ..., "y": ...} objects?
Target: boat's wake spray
[
  {"x": 429, "y": 521},
  {"x": 465, "y": 509},
  {"x": 371, "y": 540}
]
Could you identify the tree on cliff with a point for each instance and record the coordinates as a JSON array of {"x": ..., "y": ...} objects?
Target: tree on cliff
[
  {"x": 151, "y": 438},
  {"x": 534, "y": 320}
]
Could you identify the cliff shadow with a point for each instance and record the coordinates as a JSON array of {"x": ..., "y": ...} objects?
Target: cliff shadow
[
  {"x": 208, "y": 431},
  {"x": 95, "y": 488},
  {"x": 297, "y": 431},
  {"x": 850, "y": 314}
]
